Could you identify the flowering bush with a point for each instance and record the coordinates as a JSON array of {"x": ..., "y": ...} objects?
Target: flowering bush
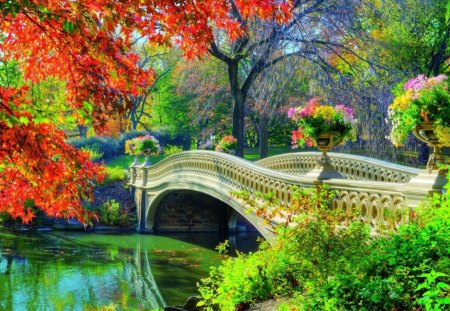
[
  {"x": 314, "y": 120},
  {"x": 421, "y": 100},
  {"x": 143, "y": 145},
  {"x": 226, "y": 144}
]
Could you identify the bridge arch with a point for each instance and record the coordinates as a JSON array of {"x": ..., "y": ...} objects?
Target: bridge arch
[{"x": 154, "y": 200}]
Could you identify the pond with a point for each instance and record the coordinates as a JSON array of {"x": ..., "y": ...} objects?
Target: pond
[{"x": 83, "y": 271}]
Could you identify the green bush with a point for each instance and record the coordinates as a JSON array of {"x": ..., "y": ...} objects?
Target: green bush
[
  {"x": 107, "y": 146},
  {"x": 305, "y": 255},
  {"x": 94, "y": 153},
  {"x": 112, "y": 215},
  {"x": 323, "y": 265},
  {"x": 114, "y": 173},
  {"x": 170, "y": 150}
]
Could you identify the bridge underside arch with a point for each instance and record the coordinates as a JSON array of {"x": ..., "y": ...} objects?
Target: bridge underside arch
[
  {"x": 186, "y": 209},
  {"x": 190, "y": 211}
]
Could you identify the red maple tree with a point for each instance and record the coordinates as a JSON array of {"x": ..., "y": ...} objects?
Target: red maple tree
[{"x": 87, "y": 44}]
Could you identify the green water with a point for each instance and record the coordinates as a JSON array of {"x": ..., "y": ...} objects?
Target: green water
[{"x": 82, "y": 271}]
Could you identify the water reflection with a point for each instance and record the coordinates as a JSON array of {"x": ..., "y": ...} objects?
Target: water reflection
[{"x": 75, "y": 271}]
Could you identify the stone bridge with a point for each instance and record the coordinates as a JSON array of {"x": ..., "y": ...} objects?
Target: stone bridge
[{"x": 369, "y": 185}]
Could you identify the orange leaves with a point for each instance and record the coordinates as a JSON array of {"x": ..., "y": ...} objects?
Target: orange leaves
[
  {"x": 87, "y": 44},
  {"x": 38, "y": 166}
]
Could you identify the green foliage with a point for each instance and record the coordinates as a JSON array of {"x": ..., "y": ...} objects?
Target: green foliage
[
  {"x": 437, "y": 294},
  {"x": 170, "y": 150},
  {"x": 112, "y": 215},
  {"x": 170, "y": 110},
  {"x": 110, "y": 212},
  {"x": 224, "y": 247},
  {"x": 114, "y": 173},
  {"x": 305, "y": 255},
  {"x": 6, "y": 219},
  {"x": 108, "y": 146},
  {"x": 94, "y": 153},
  {"x": 323, "y": 261}
]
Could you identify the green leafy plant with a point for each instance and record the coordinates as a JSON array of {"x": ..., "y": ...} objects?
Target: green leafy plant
[
  {"x": 94, "y": 153},
  {"x": 326, "y": 259},
  {"x": 436, "y": 293},
  {"x": 311, "y": 246},
  {"x": 110, "y": 212},
  {"x": 170, "y": 150}
]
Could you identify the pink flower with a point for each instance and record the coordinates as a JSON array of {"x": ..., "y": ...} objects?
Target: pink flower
[
  {"x": 310, "y": 109},
  {"x": 291, "y": 113},
  {"x": 417, "y": 83},
  {"x": 309, "y": 142}
]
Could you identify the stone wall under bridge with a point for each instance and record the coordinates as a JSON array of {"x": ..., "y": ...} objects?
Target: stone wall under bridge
[
  {"x": 374, "y": 187},
  {"x": 190, "y": 211}
]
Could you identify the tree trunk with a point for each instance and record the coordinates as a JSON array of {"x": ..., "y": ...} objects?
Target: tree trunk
[
  {"x": 133, "y": 120},
  {"x": 263, "y": 137},
  {"x": 238, "y": 108},
  {"x": 187, "y": 142}
]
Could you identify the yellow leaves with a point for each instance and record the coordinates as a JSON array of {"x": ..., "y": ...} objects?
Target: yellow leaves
[
  {"x": 443, "y": 134},
  {"x": 403, "y": 101},
  {"x": 325, "y": 112}
]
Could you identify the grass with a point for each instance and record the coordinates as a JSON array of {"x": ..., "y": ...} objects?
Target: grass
[
  {"x": 252, "y": 154},
  {"x": 116, "y": 167}
]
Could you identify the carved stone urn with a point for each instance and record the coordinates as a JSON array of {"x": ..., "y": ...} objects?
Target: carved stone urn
[
  {"x": 432, "y": 178},
  {"x": 325, "y": 142},
  {"x": 424, "y": 131}
]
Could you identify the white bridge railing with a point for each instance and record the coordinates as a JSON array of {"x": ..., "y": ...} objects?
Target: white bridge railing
[{"x": 371, "y": 186}]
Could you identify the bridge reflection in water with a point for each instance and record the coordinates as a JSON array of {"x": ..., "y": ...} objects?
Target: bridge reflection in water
[
  {"x": 373, "y": 187},
  {"x": 78, "y": 271}
]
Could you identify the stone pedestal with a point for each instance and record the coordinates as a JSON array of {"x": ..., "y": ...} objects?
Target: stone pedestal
[
  {"x": 424, "y": 185},
  {"x": 324, "y": 170}
]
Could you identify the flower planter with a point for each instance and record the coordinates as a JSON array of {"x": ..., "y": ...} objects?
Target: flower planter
[
  {"x": 425, "y": 132},
  {"x": 325, "y": 170}
]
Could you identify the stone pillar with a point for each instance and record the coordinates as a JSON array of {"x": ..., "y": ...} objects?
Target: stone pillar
[
  {"x": 132, "y": 171},
  {"x": 423, "y": 185}
]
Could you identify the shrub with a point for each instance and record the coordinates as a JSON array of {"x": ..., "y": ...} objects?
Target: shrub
[
  {"x": 390, "y": 275},
  {"x": 107, "y": 146},
  {"x": 305, "y": 254},
  {"x": 327, "y": 263},
  {"x": 114, "y": 173},
  {"x": 110, "y": 212},
  {"x": 112, "y": 215},
  {"x": 170, "y": 150},
  {"x": 94, "y": 153}
]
